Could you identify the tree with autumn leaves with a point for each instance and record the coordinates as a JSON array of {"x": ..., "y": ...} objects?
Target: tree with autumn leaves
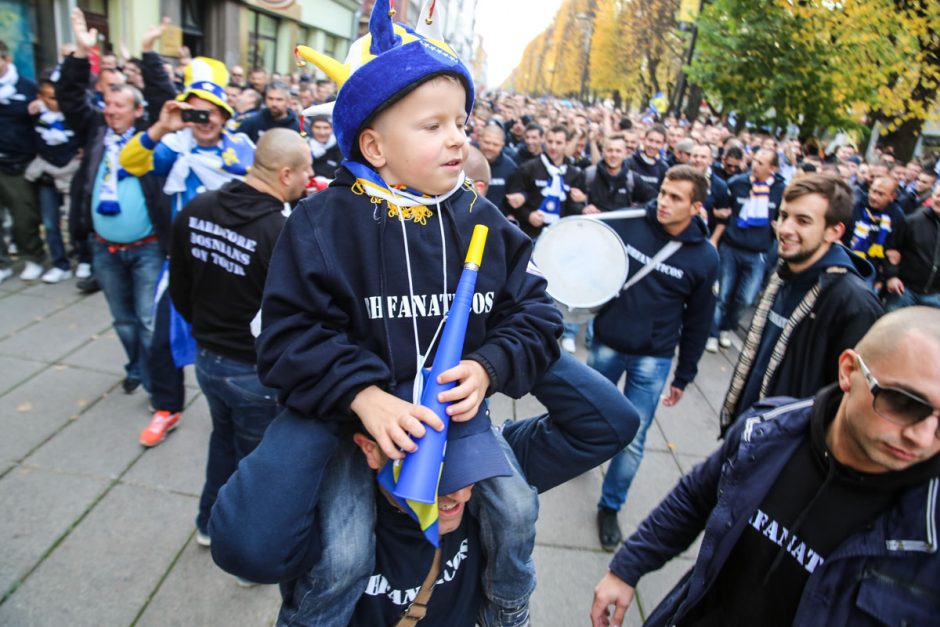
[
  {"x": 822, "y": 63},
  {"x": 817, "y": 63},
  {"x": 630, "y": 47}
]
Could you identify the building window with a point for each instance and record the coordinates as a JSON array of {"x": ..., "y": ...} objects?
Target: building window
[{"x": 262, "y": 41}]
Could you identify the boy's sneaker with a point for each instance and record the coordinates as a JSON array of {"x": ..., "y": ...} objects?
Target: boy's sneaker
[
  {"x": 5, "y": 273},
  {"x": 203, "y": 539},
  {"x": 711, "y": 345},
  {"x": 567, "y": 343},
  {"x": 54, "y": 275},
  {"x": 162, "y": 423},
  {"x": 608, "y": 529},
  {"x": 83, "y": 271},
  {"x": 31, "y": 271},
  {"x": 724, "y": 338}
]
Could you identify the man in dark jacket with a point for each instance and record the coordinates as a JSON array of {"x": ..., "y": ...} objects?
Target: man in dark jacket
[
  {"x": 127, "y": 217},
  {"x": 876, "y": 223},
  {"x": 17, "y": 149},
  {"x": 817, "y": 304},
  {"x": 817, "y": 512},
  {"x": 646, "y": 163},
  {"x": 222, "y": 244},
  {"x": 670, "y": 305},
  {"x": 276, "y": 113},
  {"x": 502, "y": 167},
  {"x": 916, "y": 280},
  {"x": 748, "y": 235},
  {"x": 325, "y": 151},
  {"x": 540, "y": 192},
  {"x": 610, "y": 184}
]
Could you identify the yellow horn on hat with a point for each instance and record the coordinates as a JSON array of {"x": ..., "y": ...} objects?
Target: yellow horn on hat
[{"x": 336, "y": 70}]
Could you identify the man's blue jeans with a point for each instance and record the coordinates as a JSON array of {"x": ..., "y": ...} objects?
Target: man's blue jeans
[
  {"x": 741, "y": 274},
  {"x": 646, "y": 377},
  {"x": 128, "y": 279},
  {"x": 910, "y": 298},
  {"x": 49, "y": 202},
  {"x": 241, "y": 408}
]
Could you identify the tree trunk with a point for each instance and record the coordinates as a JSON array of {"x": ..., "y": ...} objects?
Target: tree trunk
[{"x": 694, "y": 103}]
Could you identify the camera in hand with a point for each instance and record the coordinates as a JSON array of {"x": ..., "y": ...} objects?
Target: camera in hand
[{"x": 199, "y": 116}]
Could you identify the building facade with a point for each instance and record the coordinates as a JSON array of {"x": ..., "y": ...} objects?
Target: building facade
[{"x": 239, "y": 32}]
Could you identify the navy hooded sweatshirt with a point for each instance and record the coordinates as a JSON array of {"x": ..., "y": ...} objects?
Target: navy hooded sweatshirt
[
  {"x": 672, "y": 305},
  {"x": 337, "y": 311},
  {"x": 17, "y": 139}
]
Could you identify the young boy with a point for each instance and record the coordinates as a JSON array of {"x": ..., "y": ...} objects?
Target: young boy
[{"x": 359, "y": 283}]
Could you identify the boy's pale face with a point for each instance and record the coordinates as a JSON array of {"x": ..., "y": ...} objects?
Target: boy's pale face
[{"x": 421, "y": 139}]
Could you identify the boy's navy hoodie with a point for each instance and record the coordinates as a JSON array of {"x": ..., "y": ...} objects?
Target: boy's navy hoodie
[
  {"x": 337, "y": 313},
  {"x": 673, "y": 304},
  {"x": 651, "y": 173},
  {"x": 755, "y": 239}
]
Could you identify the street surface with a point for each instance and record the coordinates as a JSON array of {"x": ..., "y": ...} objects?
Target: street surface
[{"x": 96, "y": 530}]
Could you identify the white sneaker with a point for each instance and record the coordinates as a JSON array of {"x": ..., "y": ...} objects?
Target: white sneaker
[
  {"x": 83, "y": 271},
  {"x": 5, "y": 273},
  {"x": 711, "y": 345},
  {"x": 724, "y": 338},
  {"x": 567, "y": 343},
  {"x": 54, "y": 275},
  {"x": 203, "y": 539},
  {"x": 245, "y": 583},
  {"x": 31, "y": 271}
]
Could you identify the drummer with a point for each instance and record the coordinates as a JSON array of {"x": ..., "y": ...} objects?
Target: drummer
[{"x": 637, "y": 333}]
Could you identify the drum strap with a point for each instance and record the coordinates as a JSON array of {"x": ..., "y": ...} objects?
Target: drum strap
[{"x": 664, "y": 253}]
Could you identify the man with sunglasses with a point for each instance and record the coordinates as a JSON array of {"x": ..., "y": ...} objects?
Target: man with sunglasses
[{"x": 822, "y": 511}]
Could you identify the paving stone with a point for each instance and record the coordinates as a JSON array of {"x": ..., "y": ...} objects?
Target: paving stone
[
  {"x": 568, "y": 513},
  {"x": 55, "y": 336},
  {"x": 102, "y": 442},
  {"x": 566, "y": 580},
  {"x": 62, "y": 293},
  {"x": 657, "y": 475},
  {"x": 35, "y": 410},
  {"x": 714, "y": 374},
  {"x": 14, "y": 371},
  {"x": 527, "y": 407},
  {"x": 502, "y": 408},
  {"x": 687, "y": 427},
  {"x": 199, "y": 593},
  {"x": 20, "y": 311},
  {"x": 104, "y": 353},
  {"x": 38, "y": 507},
  {"x": 179, "y": 463},
  {"x": 106, "y": 569}
]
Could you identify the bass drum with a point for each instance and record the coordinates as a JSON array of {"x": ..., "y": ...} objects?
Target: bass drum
[{"x": 585, "y": 264}]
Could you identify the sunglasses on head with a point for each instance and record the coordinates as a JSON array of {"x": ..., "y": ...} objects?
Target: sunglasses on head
[{"x": 895, "y": 405}]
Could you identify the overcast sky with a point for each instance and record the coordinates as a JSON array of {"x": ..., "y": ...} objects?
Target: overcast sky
[{"x": 507, "y": 26}]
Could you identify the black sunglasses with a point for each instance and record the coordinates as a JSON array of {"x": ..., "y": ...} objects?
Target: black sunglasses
[{"x": 895, "y": 405}]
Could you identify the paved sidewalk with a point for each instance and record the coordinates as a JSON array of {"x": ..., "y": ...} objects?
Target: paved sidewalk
[{"x": 97, "y": 530}]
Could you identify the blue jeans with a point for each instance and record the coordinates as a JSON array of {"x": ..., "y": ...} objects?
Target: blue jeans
[
  {"x": 128, "y": 279},
  {"x": 241, "y": 408},
  {"x": 646, "y": 377},
  {"x": 167, "y": 391},
  {"x": 739, "y": 282},
  {"x": 910, "y": 298},
  {"x": 49, "y": 202}
]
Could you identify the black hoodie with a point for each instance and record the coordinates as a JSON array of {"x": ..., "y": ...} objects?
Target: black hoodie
[{"x": 220, "y": 250}]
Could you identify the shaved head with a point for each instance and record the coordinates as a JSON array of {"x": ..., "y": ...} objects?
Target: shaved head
[
  {"x": 280, "y": 148},
  {"x": 920, "y": 324},
  {"x": 477, "y": 168},
  {"x": 282, "y": 166}
]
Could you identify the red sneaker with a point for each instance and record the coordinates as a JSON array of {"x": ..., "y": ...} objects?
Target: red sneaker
[{"x": 162, "y": 423}]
